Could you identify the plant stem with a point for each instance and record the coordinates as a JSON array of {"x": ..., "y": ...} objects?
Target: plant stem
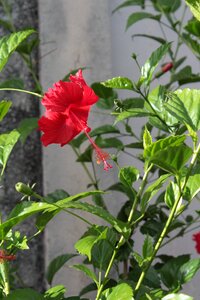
[
  {"x": 122, "y": 238},
  {"x": 21, "y": 91},
  {"x": 5, "y": 275},
  {"x": 169, "y": 221}
]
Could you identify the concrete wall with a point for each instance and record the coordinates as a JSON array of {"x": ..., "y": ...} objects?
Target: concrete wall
[{"x": 84, "y": 33}]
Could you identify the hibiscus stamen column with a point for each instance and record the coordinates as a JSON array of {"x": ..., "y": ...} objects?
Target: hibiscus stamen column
[{"x": 101, "y": 156}]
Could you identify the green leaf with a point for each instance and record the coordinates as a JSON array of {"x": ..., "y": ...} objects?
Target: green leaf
[
  {"x": 56, "y": 264},
  {"x": 87, "y": 272},
  {"x": 147, "y": 248},
  {"x": 129, "y": 3},
  {"x": 85, "y": 244},
  {"x": 157, "y": 98},
  {"x": 167, "y": 6},
  {"x": 195, "y": 7},
  {"x": 128, "y": 175},
  {"x": 52, "y": 210},
  {"x": 191, "y": 100},
  {"x": 171, "y": 194},
  {"x": 172, "y": 159},
  {"x": 24, "y": 294},
  {"x": 152, "y": 37},
  {"x": 21, "y": 211},
  {"x": 102, "y": 250},
  {"x": 177, "y": 297},
  {"x": 98, "y": 211},
  {"x": 193, "y": 27},
  {"x": 9, "y": 43},
  {"x": 12, "y": 83},
  {"x": 147, "y": 139},
  {"x": 122, "y": 291},
  {"x": 192, "y": 186},
  {"x": 56, "y": 195},
  {"x": 193, "y": 44},
  {"x": 177, "y": 108},
  {"x": 189, "y": 269},
  {"x": 55, "y": 293},
  {"x": 152, "y": 62},
  {"x": 26, "y": 126},
  {"x": 163, "y": 144},
  {"x": 109, "y": 143},
  {"x": 4, "y": 108},
  {"x": 119, "y": 83},
  {"x": 152, "y": 190},
  {"x": 106, "y": 95},
  {"x": 138, "y": 16},
  {"x": 130, "y": 113},
  {"x": 170, "y": 271},
  {"x": 7, "y": 142},
  {"x": 86, "y": 156}
]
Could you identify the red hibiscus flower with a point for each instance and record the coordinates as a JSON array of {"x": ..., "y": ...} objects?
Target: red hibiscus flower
[
  {"x": 4, "y": 256},
  {"x": 67, "y": 109},
  {"x": 196, "y": 238}
]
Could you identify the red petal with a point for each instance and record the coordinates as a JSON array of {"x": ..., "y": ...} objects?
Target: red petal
[
  {"x": 79, "y": 116},
  {"x": 63, "y": 94},
  {"x": 89, "y": 96},
  {"x": 78, "y": 78},
  {"x": 57, "y": 129}
]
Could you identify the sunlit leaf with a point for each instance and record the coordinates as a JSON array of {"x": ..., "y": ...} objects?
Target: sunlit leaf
[
  {"x": 152, "y": 62},
  {"x": 119, "y": 83},
  {"x": 4, "y": 108},
  {"x": 9, "y": 43},
  {"x": 7, "y": 142}
]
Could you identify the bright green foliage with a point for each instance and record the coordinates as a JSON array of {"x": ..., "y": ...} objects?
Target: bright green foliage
[
  {"x": 184, "y": 105},
  {"x": 122, "y": 291},
  {"x": 7, "y": 142},
  {"x": 128, "y": 175},
  {"x": 172, "y": 193},
  {"x": 119, "y": 83},
  {"x": 147, "y": 139},
  {"x": 4, "y": 108},
  {"x": 195, "y": 7},
  {"x": 9, "y": 43},
  {"x": 151, "y": 64},
  {"x": 147, "y": 249},
  {"x": 152, "y": 190},
  {"x": 192, "y": 186},
  {"x": 189, "y": 269},
  {"x": 55, "y": 293}
]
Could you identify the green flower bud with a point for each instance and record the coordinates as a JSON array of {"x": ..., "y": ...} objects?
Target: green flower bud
[{"x": 24, "y": 189}]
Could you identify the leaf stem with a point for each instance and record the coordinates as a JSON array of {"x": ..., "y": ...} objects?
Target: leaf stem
[{"x": 21, "y": 91}]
